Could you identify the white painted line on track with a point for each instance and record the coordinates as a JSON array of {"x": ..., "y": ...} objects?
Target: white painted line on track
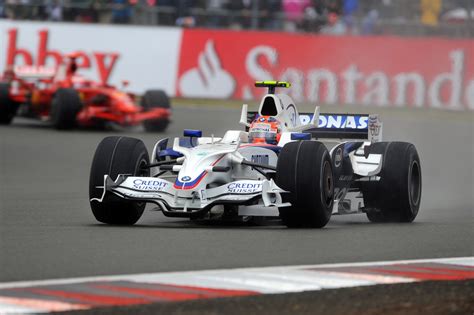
[
  {"x": 11, "y": 308},
  {"x": 9, "y": 305},
  {"x": 464, "y": 261},
  {"x": 90, "y": 292}
]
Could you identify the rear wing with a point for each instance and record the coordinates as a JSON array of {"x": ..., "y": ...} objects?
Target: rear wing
[
  {"x": 341, "y": 126},
  {"x": 34, "y": 72}
]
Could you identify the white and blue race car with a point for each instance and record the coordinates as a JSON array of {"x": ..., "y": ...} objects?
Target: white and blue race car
[{"x": 301, "y": 168}]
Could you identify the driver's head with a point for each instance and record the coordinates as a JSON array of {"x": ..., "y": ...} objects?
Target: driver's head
[
  {"x": 72, "y": 62},
  {"x": 265, "y": 129},
  {"x": 72, "y": 67}
]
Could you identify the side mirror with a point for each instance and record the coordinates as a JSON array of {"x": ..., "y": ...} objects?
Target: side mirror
[
  {"x": 300, "y": 136},
  {"x": 192, "y": 133}
]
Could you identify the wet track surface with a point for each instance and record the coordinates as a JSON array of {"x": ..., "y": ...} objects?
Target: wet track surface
[{"x": 47, "y": 229}]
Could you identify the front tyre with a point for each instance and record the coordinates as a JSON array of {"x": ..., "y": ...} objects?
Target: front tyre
[
  {"x": 304, "y": 169},
  {"x": 155, "y": 99},
  {"x": 396, "y": 196},
  {"x": 114, "y": 156},
  {"x": 65, "y": 106}
]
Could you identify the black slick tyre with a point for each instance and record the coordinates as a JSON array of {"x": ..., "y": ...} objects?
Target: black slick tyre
[
  {"x": 396, "y": 196},
  {"x": 114, "y": 156},
  {"x": 155, "y": 99},
  {"x": 304, "y": 169},
  {"x": 64, "y": 108},
  {"x": 8, "y": 108}
]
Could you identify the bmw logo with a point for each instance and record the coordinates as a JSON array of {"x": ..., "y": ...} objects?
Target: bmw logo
[
  {"x": 185, "y": 179},
  {"x": 262, "y": 119}
]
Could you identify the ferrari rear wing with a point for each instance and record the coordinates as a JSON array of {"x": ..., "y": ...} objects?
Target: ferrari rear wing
[
  {"x": 341, "y": 126},
  {"x": 34, "y": 72}
]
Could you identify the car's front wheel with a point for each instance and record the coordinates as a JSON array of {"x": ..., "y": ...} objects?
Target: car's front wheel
[
  {"x": 304, "y": 169},
  {"x": 114, "y": 156}
]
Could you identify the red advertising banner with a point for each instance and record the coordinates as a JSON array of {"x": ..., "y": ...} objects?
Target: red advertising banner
[{"x": 383, "y": 71}]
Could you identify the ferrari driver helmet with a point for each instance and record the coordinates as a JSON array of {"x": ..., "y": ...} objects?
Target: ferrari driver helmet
[{"x": 265, "y": 129}]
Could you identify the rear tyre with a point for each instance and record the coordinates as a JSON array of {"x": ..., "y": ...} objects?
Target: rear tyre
[
  {"x": 114, "y": 156},
  {"x": 8, "y": 107},
  {"x": 64, "y": 108},
  {"x": 155, "y": 99},
  {"x": 396, "y": 196},
  {"x": 304, "y": 169}
]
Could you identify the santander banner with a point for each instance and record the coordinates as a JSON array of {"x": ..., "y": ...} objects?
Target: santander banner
[{"x": 381, "y": 71}]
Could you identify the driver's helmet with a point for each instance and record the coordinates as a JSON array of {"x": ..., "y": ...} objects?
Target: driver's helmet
[
  {"x": 72, "y": 62},
  {"x": 265, "y": 129}
]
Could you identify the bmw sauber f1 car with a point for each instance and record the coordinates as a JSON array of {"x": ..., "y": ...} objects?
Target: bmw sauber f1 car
[
  {"x": 302, "y": 168},
  {"x": 67, "y": 99}
]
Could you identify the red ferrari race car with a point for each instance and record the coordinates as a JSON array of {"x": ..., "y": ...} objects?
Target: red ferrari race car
[{"x": 67, "y": 99}]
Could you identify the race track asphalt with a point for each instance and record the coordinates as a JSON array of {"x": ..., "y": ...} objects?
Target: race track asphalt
[{"x": 47, "y": 229}]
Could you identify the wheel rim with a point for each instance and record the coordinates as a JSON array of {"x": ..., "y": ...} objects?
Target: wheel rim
[
  {"x": 414, "y": 183},
  {"x": 328, "y": 183}
]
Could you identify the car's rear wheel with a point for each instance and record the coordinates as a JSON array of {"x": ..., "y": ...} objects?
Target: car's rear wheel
[
  {"x": 65, "y": 106},
  {"x": 396, "y": 196},
  {"x": 304, "y": 169},
  {"x": 8, "y": 107},
  {"x": 114, "y": 156},
  {"x": 155, "y": 99}
]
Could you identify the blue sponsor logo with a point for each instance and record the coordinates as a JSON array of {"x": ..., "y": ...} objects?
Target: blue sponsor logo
[
  {"x": 153, "y": 185},
  {"x": 338, "y": 121},
  {"x": 185, "y": 179},
  {"x": 244, "y": 187}
]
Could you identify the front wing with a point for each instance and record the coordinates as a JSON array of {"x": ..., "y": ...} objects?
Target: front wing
[
  {"x": 91, "y": 114},
  {"x": 177, "y": 200}
]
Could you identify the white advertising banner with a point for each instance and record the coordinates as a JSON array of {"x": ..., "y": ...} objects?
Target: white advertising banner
[{"x": 147, "y": 57}]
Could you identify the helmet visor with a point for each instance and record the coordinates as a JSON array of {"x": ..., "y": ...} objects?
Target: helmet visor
[{"x": 269, "y": 137}]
